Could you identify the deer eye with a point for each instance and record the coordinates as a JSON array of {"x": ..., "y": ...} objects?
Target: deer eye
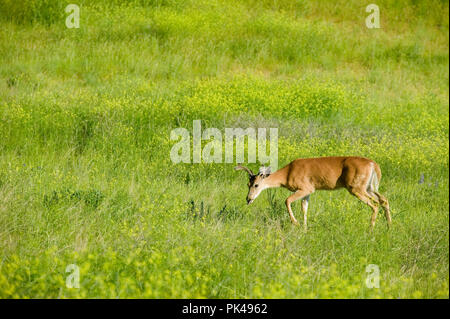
[{"x": 256, "y": 185}]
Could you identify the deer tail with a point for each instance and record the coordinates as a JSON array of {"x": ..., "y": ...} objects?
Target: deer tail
[{"x": 375, "y": 178}]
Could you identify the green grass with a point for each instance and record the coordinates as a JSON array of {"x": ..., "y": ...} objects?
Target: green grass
[{"x": 85, "y": 172}]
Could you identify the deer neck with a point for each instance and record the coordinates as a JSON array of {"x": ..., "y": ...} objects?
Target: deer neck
[{"x": 276, "y": 179}]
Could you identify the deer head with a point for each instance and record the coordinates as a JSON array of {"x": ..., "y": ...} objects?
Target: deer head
[{"x": 256, "y": 182}]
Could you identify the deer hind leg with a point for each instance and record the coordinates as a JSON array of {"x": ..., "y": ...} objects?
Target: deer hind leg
[
  {"x": 385, "y": 204},
  {"x": 297, "y": 195},
  {"x": 371, "y": 201},
  {"x": 372, "y": 189}
]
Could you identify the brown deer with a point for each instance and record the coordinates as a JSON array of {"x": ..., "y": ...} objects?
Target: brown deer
[{"x": 360, "y": 176}]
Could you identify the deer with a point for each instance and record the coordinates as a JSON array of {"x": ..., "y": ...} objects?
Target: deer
[{"x": 359, "y": 175}]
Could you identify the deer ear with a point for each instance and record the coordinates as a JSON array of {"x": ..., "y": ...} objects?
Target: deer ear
[{"x": 264, "y": 171}]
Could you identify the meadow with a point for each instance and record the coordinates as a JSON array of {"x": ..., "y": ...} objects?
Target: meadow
[{"x": 86, "y": 176}]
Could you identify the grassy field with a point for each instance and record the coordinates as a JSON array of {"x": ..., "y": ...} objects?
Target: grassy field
[{"x": 85, "y": 172}]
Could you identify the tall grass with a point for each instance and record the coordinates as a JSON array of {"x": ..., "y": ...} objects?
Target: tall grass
[{"x": 85, "y": 172}]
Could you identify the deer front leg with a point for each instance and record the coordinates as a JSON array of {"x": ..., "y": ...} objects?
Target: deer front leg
[
  {"x": 297, "y": 195},
  {"x": 305, "y": 203}
]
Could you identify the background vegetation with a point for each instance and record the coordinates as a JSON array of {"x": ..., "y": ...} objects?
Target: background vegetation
[{"x": 85, "y": 172}]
